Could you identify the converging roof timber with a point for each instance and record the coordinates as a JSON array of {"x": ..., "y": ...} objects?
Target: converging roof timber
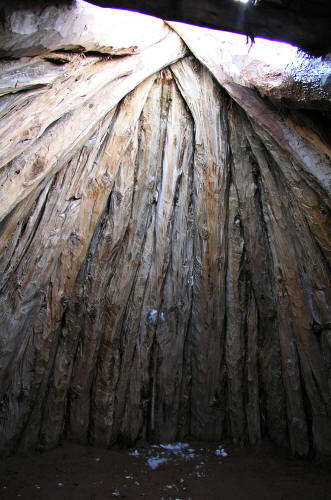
[{"x": 165, "y": 249}]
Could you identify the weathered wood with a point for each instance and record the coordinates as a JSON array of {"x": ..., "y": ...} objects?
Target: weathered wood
[
  {"x": 261, "y": 266},
  {"x": 253, "y": 413},
  {"x": 79, "y": 27},
  {"x": 235, "y": 349},
  {"x": 64, "y": 246},
  {"x": 75, "y": 122},
  {"x": 211, "y": 165},
  {"x": 311, "y": 157},
  {"x": 298, "y": 277},
  {"x": 30, "y": 73},
  {"x": 273, "y": 68},
  {"x": 164, "y": 257},
  {"x": 304, "y": 24}
]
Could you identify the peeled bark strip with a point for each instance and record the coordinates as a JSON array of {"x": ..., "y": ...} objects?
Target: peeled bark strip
[{"x": 164, "y": 253}]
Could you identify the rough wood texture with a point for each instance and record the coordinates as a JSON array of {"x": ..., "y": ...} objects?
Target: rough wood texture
[
  {"x": 276, "y": 70},
  {"x": 303, "y": 23},
  {"x": 29, "y": 29},
  {"x": 75, "y": 103},
  {"x": 165, "y": 268}
]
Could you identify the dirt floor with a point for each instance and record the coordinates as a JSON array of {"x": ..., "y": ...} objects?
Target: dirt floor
[{"x": 195, "y": 471}]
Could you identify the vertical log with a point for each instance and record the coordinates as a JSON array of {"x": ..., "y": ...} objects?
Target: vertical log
[
  {"x": 260, "y": 266},
  {"x": 235, "y": 322},
  {"x": 210, "y": 201},
  {"x": 292, "y": 246},
  {"x": 253, "y": 413}
]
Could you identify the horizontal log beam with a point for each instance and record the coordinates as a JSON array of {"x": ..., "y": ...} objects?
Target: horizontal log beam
[{"x": 302, "y": 23}]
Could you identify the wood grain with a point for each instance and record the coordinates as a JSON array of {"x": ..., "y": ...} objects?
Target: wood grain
[{"x": 164, "y": 257}]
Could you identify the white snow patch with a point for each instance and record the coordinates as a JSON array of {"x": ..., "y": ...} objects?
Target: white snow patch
[
  {"x": 154, "y": 462},
  {"x": 134, "y": 453},
  {"x": 190, "y": 281},
  {"x": 179, "y": 449},
  {"x": 152, "y": 317},
  {"x": 175, "y": 446},
  {"x": 220, "y": 452}
]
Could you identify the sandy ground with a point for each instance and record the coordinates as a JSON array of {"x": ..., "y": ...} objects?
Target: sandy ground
[{"x": 195, "y": 471}]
